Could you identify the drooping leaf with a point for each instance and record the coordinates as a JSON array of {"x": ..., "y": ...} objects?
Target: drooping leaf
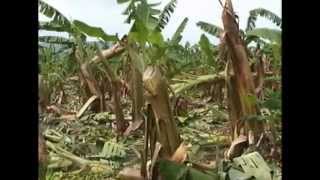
[
  {"x": 165, "y": 14},
  {"x": 129, "y": 9},
  {"x": 176, "y": 38},
  {"x": 183, "y": 86},
  {"x": 210, "y": 28},
  {"x": 94, "y": 31},
  {"x": 271, "y": 34},
  {"x": 252, "y": 38},
  {"x": 251, "y": 24},
  {"x": 51, "y": 12}
]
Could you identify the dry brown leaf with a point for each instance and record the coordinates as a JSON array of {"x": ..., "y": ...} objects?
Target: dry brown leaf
[
  {"x": 42, "y": 150},
  {"x": 53, "y": 109},
  {"x": 86, "y": 105},
  {"x": 130, "y": 174},
  {"x": 68, "y": 117},
  {"x": 132, "y": 127},
  {"x": 180, "y": 155},
  {"x": 237, "y": 147}
]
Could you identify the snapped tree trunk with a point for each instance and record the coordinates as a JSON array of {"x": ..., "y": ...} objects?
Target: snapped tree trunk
[
  {"x": 157, "y": 95},
  {"x": 260, "y": 75},
  {"x": 115, "y": 93},
  {"x": 136, "y": 86},
  {"x": 242, "y": 86},
  {"x": 121, "y": 126},
  {"x": 84, "y": 90},
  {"x": 86, "y": 71},
  {"x": 91, "y": 82}
]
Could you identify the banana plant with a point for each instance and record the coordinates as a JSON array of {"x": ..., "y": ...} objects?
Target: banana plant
[
  {"x": 78, "y": 31},
  {"x": 266, "y": 40},
  {"x": 251, "y": 33},
  {"x": 60, "y": 23},
  {"x": 147, "y": 52}
]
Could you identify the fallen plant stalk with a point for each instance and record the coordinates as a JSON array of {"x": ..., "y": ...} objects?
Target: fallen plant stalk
[{"x": 80, "y": 162}]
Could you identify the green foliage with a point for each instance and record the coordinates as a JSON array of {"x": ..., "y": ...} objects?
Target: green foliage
[
  {"x": 252, "y": 165},
  {"x": 207, "y": 49},
  {"x": 58, "y": 21},
  {"x": 174, "y": 171},
  {"x": 210, "y": 28},
  {"x": 165, "y": 14},
  {"x": 156, "y": 38},
  {"x": 91, "y": 136},
  {"x": 122, "y": 1},
  {"x": 53, "y": 68},
  {"x": 187, "y": 84},
  {"x": 94, "y": 31},
  {"x": 244, "y": 167},
  {"x": 171, "y": 170},
  {"x": 56, "y": 175},
  {"x": 271, "y": 34},
  {"x": 273, "y": 100},
  {"x": 140, "y": 9},
  {"x": 276, "y": 54},
  {"x": 52, "y": 26},
  {"x": 53, "y": 13},
  {"x": 144, "y": 27},
  {"x": 176, "y": 38},
  {"x": 113, "y": 150},
  {"x": 251, "y": 22},
  {"x": 55, "y": 40}
]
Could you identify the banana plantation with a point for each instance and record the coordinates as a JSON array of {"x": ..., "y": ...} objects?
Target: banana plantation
[{"x": 142, "y": 106}]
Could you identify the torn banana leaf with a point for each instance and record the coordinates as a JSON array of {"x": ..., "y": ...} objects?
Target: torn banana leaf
[{"x": 252, "y": 166}]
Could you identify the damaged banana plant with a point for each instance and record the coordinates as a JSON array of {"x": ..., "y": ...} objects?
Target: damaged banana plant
[{"x": 240, "y": 85}]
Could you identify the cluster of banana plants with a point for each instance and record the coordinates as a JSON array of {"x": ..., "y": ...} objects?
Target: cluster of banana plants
[{"x": 144, "y": 65}]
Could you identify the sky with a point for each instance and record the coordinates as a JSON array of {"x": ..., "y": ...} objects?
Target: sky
[{"x": 107, "y": 14}]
